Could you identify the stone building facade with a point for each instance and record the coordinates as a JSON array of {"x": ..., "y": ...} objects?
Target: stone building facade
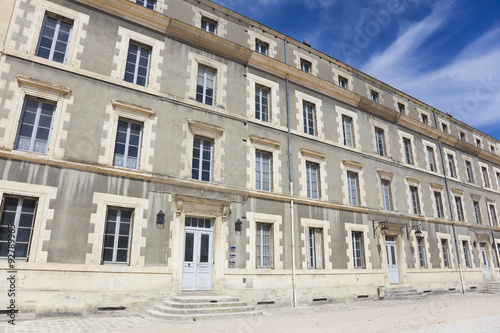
[{"x": 283, "y": 174}]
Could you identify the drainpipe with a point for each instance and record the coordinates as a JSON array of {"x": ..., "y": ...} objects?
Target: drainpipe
[
  {"x": 290, "y": 169},
  {"x": 450, "y": 205}
]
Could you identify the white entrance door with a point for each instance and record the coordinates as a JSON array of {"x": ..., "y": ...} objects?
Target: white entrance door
[
  {"x": 197, "y": 268},
  {"x": 486, "y": 263},
  {"x": 392, "y": 259}
]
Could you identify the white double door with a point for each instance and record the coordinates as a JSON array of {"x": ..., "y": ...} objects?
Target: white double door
[
  {"x": 197, "y": 268},
  {"x": 486, "y": 263},
  {"x": 392, "y": 259}
]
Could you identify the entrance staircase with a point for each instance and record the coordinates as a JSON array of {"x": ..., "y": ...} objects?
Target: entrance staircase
[
  {"x": 403, "y": 293},
  {"x": 203, "y": 307},
  {"x": 491, "y": 287}
]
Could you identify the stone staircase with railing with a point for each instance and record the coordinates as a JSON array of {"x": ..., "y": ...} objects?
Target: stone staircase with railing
[
  {"x": 490, "y": 287},
  {"x": 203, "y": 307},
  {"x": 403, "y": 293}
]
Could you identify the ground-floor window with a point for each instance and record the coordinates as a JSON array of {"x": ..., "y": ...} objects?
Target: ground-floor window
[
  {"x": 465, "y": 245},
  {"x": 117, "y": 236},
  {"x": 264, "y": 245},
  {"x": 446, "y": 253},
  {"x": 358, "y": 249},
  {"x": 315, "y": 248},
  {"x": 16, "y": 223},
  {"x": 421, "y": 252}
]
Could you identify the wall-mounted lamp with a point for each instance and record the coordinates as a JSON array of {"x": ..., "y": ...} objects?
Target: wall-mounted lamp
[
  {"x": 238, "y": 225},
  {"x": 474, "y": 243},
  {"x": 383, "y": 228},
  {"x": 418, "y": 232},
  {"x": 160, "y": 219}
]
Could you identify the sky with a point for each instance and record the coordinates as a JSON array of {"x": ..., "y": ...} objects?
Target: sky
[{"x": 446, "y": 53}]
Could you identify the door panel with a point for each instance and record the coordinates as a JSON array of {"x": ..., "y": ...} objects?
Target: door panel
[
  {"x": 486, "y": 263},
  {"x": 197, "y": 268},
  {"x": 392, "y": 262}
]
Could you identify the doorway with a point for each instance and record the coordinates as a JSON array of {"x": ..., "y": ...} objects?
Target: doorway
[
  {"x": 197, "y": 267},
  {"x": 486, "y": 263},
  {"x": 392, "y": 259}
]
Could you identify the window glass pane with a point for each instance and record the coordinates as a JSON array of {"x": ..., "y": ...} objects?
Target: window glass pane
[
  {"x": 189, "y": 247},
  {"x": 204, "y": 248}
]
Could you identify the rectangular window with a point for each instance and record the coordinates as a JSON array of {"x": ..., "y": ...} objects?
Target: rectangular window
[
  {"x": 401, "y": 108},
  {"x": 374, "y": 96},
  {"x": 451, "y": 164},
  {"x": 146, "y": 3},
  {"x": 261, "y": 47},
  {"x": 492, "y": 149},
  {"x": 309, "y": 118},
  {"x": 477, "y": 212},
  {"x": 462, "y": 136},
  {"x": 358, "y": 250},
  {"x": 444, "y": 127},
  {"x": 485, "y": 177},
  {"x": 342, "y": 82},
  {"x": 425, "y": 119},
  {"x": 16, "y": 223},
  {"x": 408, "y": 151},
  {"x": 202, "y": 159},
  {"x": 315, "y": 248},
  {"x": 305, "y": 66},
  {"x": 415, "y": 200},
  {"x": 493, "y": 215},
  {"x": 465, "y": 246},
  {"x": 439, "y": 205},
  {"x": 432, "y": 160},
  {"x": 117, "y": 236},
  {"x": 312, "y": 171},
  {"x": 128, "y": 144},
  {"x": 478, "y": 143},
  {"x": 137, "y": 66},
  {"x": 263, "y": 170},
  {"x": 264, "y": 245},
  {"x": 35, "y": 126},
  {"x": 352, "y": 185},
  {"x": 386, "y": 195},
  {"x": 205, "y": 85},
  {"x": 347, "y": 129},
  {"x": 380, "y": 140},
  {"x": 54, "y": 39},
  {"x": 460, "y": 210},
  {"x": 421, "y": 253},
  {"x": 498, "y": 179},
  {"x": 446, "y": 253},
  {"x": 209, "y": 25},
  {"x": 470, "y": 174},
  {"x": 262, "y": 103}
]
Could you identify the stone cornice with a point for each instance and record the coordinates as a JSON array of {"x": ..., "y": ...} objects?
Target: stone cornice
[{"x": 42, "y": 85}]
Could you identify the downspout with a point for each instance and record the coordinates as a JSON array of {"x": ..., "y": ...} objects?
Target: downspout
[
  {"x": 450, "y": 204},
  {"x": 290, "y": 169}
]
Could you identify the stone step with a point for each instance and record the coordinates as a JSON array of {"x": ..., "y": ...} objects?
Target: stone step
[
  {"x": 404, "y": 294},
  {"x": 400, "y": 291},
  {"x": 211, "y": 316},
  {"x": 195, "y": 311},
  {"x": 204, "y": 299},
  {"x": 185, "y": 305}
]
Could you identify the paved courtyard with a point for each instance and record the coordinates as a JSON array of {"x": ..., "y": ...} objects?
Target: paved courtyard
[{"x": 472, "y": 312}]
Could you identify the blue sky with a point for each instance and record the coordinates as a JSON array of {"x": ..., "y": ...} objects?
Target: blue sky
[{"x": 445, "y": 53}]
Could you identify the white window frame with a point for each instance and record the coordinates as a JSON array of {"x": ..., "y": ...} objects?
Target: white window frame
[
  {"x": 128, "y": 144},
  {"x": 209, "y": 24},
  {"x": 254, "y": 144},
  {"x": 255, "y": 35},
  {"x": 262, "y": 103},
  {"x": 195, "y": 61},
  {"x": 423, "y": 113},
  {"x": 147, "y": 3},
  {"x": 386, "y": 194},
  {"x": 315, "y": 249},
  {"x": 445, "y": 250},
  {"x": 422, "y": 260},
  {"x": 251, "y": 246},
  {"x": 359, "y": 261},
  {"x": 469, "y": 171},
  {"x": 356, "y": 138},
  {"x": 375, "y": 96},
  {"x": 477, "y": 211},
  {"x": 309, "y": 115},
  {"x": 363, "y": 229},
  {"x": 492, "y": 212},
  {"x": 324, "y": 225},
  {"x": 207, "y": 73},
  {"x": 299, "y": 56},
  {"x": 259, "y": 260},
  {"x": 397, "y": 101},
  {"x": 459, "y": 208},
  {"x": 203, "y": 143},
  {"x": 59, "y": 22},
  {"x": 380, "y": 141},
  {"x": 343, "y": 82},
  {"x": 485, "y": 175},
  {"x": 260, "y": 165},
  {"x": 431, "y": 159},
  {"x": 273, "y": 99},
  {"x": 347, "y": 130},
  {"x": 305, "y": 66},
  {"x": 438, "y": 202},
  {"x": 261, "y": 46},
  {"x": 309, "y": 156},
  {"x": 408, "y": 151},
  {"x": 117, "y": 235},
  {"x": 358, "y": 192},
  {"x": 141, "y": 51},
  {"x": 312, "y": 178},
  {"x": 353, "y": 188},
  {"x": 303, "y": 99}
]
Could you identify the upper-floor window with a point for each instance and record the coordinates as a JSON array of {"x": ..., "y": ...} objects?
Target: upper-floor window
[
  {"x": 380, "y": 141},
  {"x": 477, "y": 212},
  {"x": 444, "y": 127},
  {"x": 127, "y": 145},
  {"x": 205, "y": 85},
  {"x": 263, "y": 173},
  {"x": 202, "y": 159},
  {"x": 347, "y": 130},
  {"x": 462, "y": 136},
  {"x": 415, "y": 200},
  {"x": 460, "y": 210},
  {"x": 386, "y": 194},
  {"x": 261, "y": 47},
  {"x": 147, "y": 3},
  {"x": 422, "y": 258},
  {"x": 312, "y": 179},
  {"x": 54, "y": 38},
  {"x": 374, "y": 96},
  {"x": 16, "y": 225},
  {"x": 401, "y": 108},
  {"x": 470, "y": 173},
  {"x": 209, "y": 25},
  {"x": 432, "y": 160},
  {"x": 35, "y": 125},
  {"x": 262, "y": 103},
  {"x": 478, "y": 143},
  {"x": 342, "y": 82},
  {"x": 137, "y": 67},
  {"x": 408, "y": 151},
  {"x": 485, "y": 177},
  {"x": 353, "y": 188},
  {"x": 305, "y": 66},
  {"x": 425, "y": 119},
  {"x": 117, "y": 236},
  {"x": 309, "y": 118},
  {"x": 465, "y": 245},
  {"x": 439, "y": 205},
  {"x": 493, "y": 215},
  {"x": 451, "y": 164},
  {"x": 492, "y": 149}
]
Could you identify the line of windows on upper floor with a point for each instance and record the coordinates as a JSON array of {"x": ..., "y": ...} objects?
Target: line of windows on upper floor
[{"x": 55, "y": 37}]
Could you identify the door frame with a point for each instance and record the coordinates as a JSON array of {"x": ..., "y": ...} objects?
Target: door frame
[
  {"x": 393, "y": 244},
  {"x": 198, "y": 232},
  {"x": 483, "y": 248}
]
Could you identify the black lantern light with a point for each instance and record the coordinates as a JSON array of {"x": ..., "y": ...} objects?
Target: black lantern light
[
  {"x": 160, "y": 218},
  {"x": 237, "y": 225}
]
